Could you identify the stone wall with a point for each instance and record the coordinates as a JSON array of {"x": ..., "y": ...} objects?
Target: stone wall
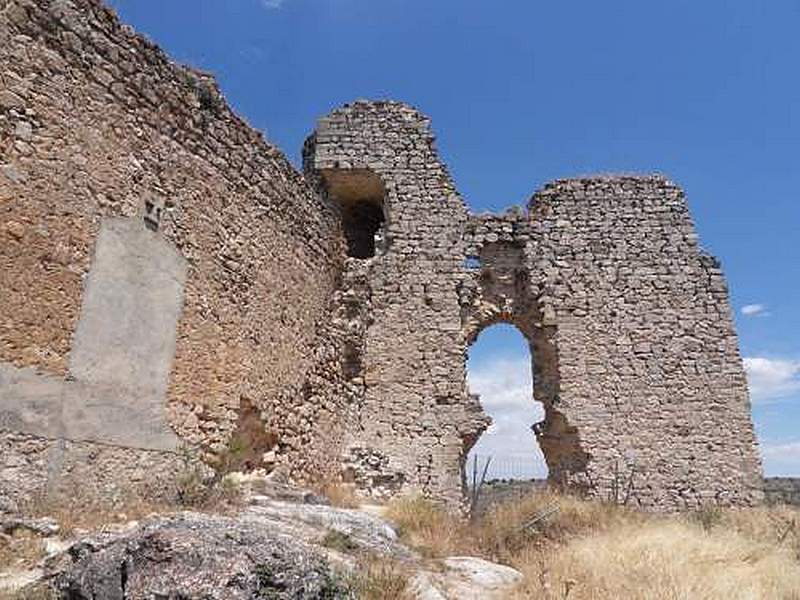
[
  {"x": 98, "y": 126},
  {"x": 169, "y": 280},
  {"x": 415, "y": 413},
  {"x": 635, "y": 356}
]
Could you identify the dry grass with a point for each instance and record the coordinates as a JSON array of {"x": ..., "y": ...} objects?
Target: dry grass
[
  {"x": 77, "y": 509},
  {"x": 75, "y": 512},
  {"x": 339, "y": 494},
  {"x": 429, "y": 528},
  {"x": 666, "y": 559},
  {"x": 381, "y": 579},
  {"x": 20, "y": 551},
  {"x": 600, "y": 551},
  {"x": 779, "y": 525},
  {"x": 500, "y": 534},
  {"x": 32, "y": 592}
]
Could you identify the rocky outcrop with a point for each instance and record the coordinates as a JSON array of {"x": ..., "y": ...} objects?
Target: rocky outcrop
[
  {"x": 195, "y": 556},
  {"x": 465, "y": 578},
  {"x": 285, "y": 543}
]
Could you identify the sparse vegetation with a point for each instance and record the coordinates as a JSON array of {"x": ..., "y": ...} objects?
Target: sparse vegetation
[
  {"x": 707, "y": 516},
  {"x": 80, "y": 510},
  {"x": 339, "y": 541},
  {"x": 429, "y": 528},
  {"x": 247, "y": 444},
  {"x": 198, "y": 491},
  {"x": 38, "y": 591},
  {"x": 76, "y": 507},
  {"x": 571, "y": 548},
  {"x": 381, "y": 579},
  {"x": 20, "y": 551},
  {"x": 339, "y": 494}
]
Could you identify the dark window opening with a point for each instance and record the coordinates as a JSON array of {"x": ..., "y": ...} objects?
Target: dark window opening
[
  {"x": 351, "y": 361},
  {"x": 362, "y": 223},
  {"x": 360, "y": 195}
]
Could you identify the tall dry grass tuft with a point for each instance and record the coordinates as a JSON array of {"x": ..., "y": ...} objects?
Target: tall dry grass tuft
[
  {"x": 341, "y": 495},
  {"x": 428, "y": 527},
  {"x": 543, "y": 519},
  {"x": 381, "y": 579},
  {"x": 779, "y": 525},
  {"x": 505, "y": 530}
]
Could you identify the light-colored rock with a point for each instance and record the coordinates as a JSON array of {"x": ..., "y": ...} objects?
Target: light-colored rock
[
  {"x": 464, "y": 578},
  {"x": 44, "y": 526},
  {"x": 312, "y": 522},
  {"x": 423, "y": 586},
  {"x": 483, "y": 573},
  {"x": 11, "y": 581}
]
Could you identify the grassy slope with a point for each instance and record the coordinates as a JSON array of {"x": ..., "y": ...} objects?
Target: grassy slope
[{"x": 592, "y": 550}]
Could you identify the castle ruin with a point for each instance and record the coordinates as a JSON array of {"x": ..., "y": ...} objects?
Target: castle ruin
[{"x": 169, "y": 281}]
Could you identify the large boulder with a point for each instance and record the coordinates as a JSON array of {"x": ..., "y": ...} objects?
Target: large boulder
[{"x": 195, "y": 556}]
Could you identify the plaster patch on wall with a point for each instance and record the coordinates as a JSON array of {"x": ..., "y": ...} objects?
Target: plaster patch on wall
[{"x": 122, "y": 352}]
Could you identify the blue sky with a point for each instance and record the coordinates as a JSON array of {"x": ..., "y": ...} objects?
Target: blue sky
[{"x": 524, "y": 92}]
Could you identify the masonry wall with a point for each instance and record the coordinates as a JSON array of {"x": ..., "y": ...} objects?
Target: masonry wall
[
  {"x": 169, "y": 280},
  {"x": 414, "y": 412},
  {"x": 650, "y": 372},
  {"x": 635, "y": 356},
  {"x": 97, "y": 125}
]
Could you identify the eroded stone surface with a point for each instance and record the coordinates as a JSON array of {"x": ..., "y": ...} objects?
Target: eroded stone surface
[{"x": 193, "y": 556}]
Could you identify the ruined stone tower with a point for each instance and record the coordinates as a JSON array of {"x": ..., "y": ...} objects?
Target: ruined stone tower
[
  {"x": 635, "y": 357},
  {"x": 170, "y": 281}
]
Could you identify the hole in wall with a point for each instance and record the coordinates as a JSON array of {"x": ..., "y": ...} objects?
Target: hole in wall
[
  {"x": 351, "y": 361},
  {"x": 499, "y": 369},
  {"x": 250, "y": 442},
  {"x": 472, "y": 263},
  {"x": 361, "y": 221},
  {"x": 359, "y": 193}
]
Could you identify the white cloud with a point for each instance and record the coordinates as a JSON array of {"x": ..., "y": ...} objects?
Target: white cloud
[
  {"x": 772, "y": 378},
  {"x": 754, "y": 310},
  {"x": 272, "y": 4},
  {"x": 506, "y": 395},
  {"x": 782, "y": 451},
  {"x": 782, "y": 459},
  {"x": 503, "y": 383}
]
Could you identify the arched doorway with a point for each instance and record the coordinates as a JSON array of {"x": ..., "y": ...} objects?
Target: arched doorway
[
  {"x": 505, "y": 298},
  {"x": 499, "y": 371}
]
